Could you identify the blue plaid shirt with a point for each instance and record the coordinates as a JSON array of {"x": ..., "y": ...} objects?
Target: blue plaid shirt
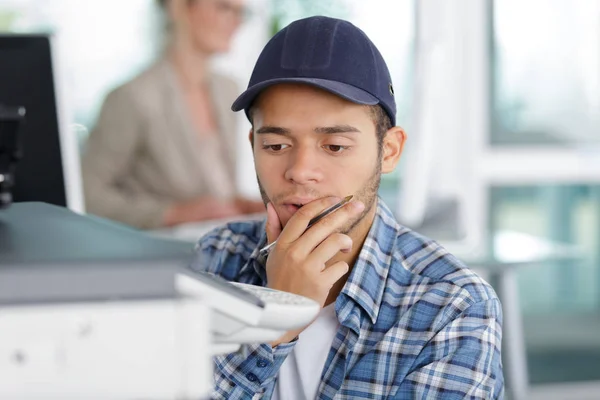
[{"x": 415, "y": 323}]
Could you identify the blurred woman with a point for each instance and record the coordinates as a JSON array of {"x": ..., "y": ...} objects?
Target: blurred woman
[{"x": 163, "y": 149}]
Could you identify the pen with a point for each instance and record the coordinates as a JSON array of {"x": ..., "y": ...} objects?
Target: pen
[{"x": 326, "y": 212}]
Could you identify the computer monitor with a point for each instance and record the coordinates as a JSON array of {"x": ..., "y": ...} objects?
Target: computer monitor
[
  {"x": 49, "y": 170},
  {"x": 10, "y": 120}
]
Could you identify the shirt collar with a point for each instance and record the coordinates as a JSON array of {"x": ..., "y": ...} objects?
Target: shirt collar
[{"x": 367, "y": 280}]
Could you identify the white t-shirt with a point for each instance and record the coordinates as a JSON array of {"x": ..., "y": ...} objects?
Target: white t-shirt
[{"x": 300, "y": 374}]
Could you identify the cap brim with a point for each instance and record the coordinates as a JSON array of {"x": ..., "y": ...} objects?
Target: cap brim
[{"x": 343, "y": 90}]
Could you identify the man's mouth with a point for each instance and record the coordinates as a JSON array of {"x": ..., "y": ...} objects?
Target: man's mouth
[{"x": 293, "y": 205}]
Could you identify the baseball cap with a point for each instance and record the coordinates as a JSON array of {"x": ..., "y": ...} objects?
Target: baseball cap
[{"x": 328, "y": 53}]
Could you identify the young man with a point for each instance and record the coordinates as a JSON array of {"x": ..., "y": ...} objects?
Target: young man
[{"x": 401, "y": 317}]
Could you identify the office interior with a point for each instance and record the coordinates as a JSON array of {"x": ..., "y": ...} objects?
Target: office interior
[{"x": 501, "y": 103}]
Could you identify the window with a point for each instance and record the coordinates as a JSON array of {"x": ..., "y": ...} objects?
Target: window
[
  {"x": 567, "y": 213},
  {"x": 100, "y": 43},
  {"x": 546, "y": 72}
]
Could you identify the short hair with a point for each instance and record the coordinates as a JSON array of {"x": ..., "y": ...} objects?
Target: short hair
[
  {"x": 164, "y": 3},
  {"x": 382, "y": 122}
]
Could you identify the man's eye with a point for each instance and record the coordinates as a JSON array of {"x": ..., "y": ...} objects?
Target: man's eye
[
  {"x": 275, "y": 147},
  {"x": 336, "y": 148}
]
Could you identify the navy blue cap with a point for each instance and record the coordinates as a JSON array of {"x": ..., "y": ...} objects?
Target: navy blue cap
[{"x": 328, "y": 53}]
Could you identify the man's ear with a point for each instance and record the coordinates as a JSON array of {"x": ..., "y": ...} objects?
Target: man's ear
[{"x": 393, "y": 144}]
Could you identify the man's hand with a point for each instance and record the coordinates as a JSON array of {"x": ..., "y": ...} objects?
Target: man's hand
[{"x": 299, "y": 261}]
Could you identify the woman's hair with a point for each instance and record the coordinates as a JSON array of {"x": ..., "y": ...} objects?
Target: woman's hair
[{"x": 163, "y": 3}]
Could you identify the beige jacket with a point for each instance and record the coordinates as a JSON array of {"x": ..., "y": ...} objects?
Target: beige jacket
[{"x": 144, "y": 153}]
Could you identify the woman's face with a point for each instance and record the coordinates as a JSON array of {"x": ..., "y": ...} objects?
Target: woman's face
[{"x": 212, "y": 23}]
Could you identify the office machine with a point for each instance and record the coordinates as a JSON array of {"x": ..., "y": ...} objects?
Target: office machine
[
  {"x": 93, "y": 309},
  {"x": 10, "y": 150},
  {"x": 30, "y": 80}
]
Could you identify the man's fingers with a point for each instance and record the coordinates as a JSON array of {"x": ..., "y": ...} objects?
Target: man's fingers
[
  {"x": 273, "y": 224},
  {"x": 299, "y": 221},
  {"x": 331, "y": 223},
  {"x": 330, "y": 247},
  {"x": 334, "y": 273}
]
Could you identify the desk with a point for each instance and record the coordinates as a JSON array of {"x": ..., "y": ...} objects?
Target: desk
[
  {"x": 509, "y": 252},
  {"x": 191, "y": 232}
]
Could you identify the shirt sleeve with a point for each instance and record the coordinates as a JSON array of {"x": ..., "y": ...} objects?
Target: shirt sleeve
[
  {"x": 462, "y": 361},
  {"x": 246, "y": 373}
]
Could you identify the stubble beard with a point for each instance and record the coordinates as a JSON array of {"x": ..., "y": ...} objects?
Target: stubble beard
[{"x": 367, "y": 195}]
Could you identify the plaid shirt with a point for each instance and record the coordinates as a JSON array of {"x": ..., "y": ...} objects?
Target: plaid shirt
[{"x": 414, "y": 322}]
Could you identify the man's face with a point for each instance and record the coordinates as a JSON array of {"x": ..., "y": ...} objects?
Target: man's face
[{"x": 309, "y": 144}]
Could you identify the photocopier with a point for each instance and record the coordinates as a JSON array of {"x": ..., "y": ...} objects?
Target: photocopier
[{"x": 92, "y": 309}]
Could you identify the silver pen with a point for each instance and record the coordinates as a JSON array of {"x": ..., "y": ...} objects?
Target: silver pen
[{"x": 265, "y": 250}]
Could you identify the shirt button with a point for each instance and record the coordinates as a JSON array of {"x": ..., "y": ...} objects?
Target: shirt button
[
  {"x": 251, "y": 377},
  {"x": 261, "y": 363}
]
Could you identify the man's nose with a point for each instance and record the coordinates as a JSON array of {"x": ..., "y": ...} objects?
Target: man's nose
[{"x": 304, "y": 166}]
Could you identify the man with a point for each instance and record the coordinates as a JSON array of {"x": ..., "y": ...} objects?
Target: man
[{"x": 401, "y": 317}]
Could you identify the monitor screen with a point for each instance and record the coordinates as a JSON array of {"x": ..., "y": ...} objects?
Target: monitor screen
[{"x": 28, "y": 79}]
